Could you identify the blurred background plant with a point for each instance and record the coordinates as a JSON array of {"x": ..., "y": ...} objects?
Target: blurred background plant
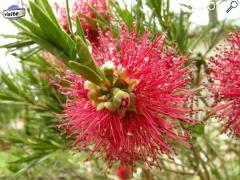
[{"x": 32, "y": 148}]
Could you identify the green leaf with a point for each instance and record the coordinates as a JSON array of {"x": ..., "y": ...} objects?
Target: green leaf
[
  {"x": 19, "y": 25},
  {"x": 98, "y": 15},
  {"x": 96, "y": 21},
  {"x": 140, "y": 16},
  {"x": 31, "y": 161},
  {"x": 32, "y": 27},
  {"x": 51, "y": 31},
  {"x": 49, "y": 47},
  {"x": 68, "y": 16},
  {"x": 216, "y": 172},
  {"x": 17, "y": 44},
  {"x": 28, "y": 53},
  {"x": 12, "y": 36},
  {"x": 54, "y": 34},
  {"x": 46, "y": 6},
  {"x": 85, "y": 57},
  {"x": 124, "y": 14},
  {"x": 9, "y": 82},
  {"x": 9, "y": 97},
  {"x": 198, "y": 129},
  {"x": 86, "y": 72},
  {"x": 80, "y": 31}
]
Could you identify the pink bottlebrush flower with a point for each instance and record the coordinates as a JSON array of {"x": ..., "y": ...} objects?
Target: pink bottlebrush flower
[
  {"x": 136, "y": 117},
  {"x": 226, "y": 74},
  {"x": 82, "y": 10},
  {"x": 124, "y": 172}
]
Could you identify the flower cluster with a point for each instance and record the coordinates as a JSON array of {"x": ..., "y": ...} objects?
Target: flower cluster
[
  {"x": 82, "y": 10},
  {"x": 135, "y": 115},
  {"x": 226, "y": 73},
  {"x": 124, "y": 172}
]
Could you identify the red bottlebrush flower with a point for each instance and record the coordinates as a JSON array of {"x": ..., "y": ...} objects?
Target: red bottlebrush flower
[
  {"x": 136, "y": 116},
  {"x": 123, "y": 172},
  {"x": 226, "y": 73}
]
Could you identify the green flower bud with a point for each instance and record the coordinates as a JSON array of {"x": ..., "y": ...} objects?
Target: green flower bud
[
  {"x": 108, "y": 67},
  {"x": 100, "y": 106},
  {"x": 120, "y": 98},
  {"x": 93, "y": 94},
  {"x": 108, "y": 71},
  {"x": 104, "y": 105},
  {"x": 89, "y": 85}
]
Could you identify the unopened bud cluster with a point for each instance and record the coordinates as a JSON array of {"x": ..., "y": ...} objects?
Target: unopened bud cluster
[{"x": 116, "y": 94}]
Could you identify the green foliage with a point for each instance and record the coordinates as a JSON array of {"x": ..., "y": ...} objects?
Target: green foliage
[
  {"x": 176, "y": 25},
  {"x": 31, "y": 146},
  {"x": 86, "y": 72}
]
